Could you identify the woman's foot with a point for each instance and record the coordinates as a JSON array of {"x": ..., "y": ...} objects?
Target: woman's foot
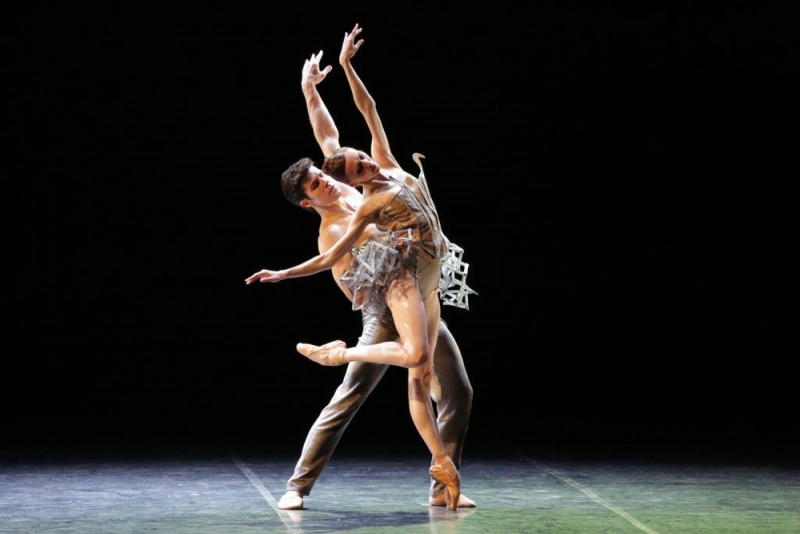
[
  {"x": 328, "y": 354},
  {"x": 444, "y": 470},
  {"x": 441, "y": 500}
]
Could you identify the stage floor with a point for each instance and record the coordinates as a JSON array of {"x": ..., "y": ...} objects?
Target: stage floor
[{"x": 237, "y": 493}]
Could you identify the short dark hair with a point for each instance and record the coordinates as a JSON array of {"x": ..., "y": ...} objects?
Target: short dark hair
[
  {"x": 294, "y": 178},
  {"x": 333, "y": 165}
]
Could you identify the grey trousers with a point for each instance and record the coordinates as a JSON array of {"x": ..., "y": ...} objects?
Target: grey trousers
[{"x": 452, "y": 397}]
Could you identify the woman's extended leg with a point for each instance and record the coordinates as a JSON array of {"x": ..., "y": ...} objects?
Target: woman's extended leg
[{"x": 413, "y": 324}]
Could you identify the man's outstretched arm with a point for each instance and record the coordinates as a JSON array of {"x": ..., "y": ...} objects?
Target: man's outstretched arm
[
  {"x": 380, "y": 150},
  {"x": 325, "y": 131}
]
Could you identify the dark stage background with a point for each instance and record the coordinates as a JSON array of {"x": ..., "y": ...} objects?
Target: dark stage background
[{"x": 615, "y": 176}]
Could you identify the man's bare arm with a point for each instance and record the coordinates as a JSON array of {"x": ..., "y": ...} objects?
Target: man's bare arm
[{"x": 325, "y": 131}]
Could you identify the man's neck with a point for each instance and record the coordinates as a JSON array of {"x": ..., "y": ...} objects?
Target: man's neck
[{"x": 337, "y": 210}]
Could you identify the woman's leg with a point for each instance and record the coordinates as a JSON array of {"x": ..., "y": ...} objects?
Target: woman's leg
[
  {"x": 414, "y": 348},
  {"x": 416, "y": 321}
]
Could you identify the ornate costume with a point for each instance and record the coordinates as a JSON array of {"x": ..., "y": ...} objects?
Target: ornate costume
[{"x": 416, "y": 244}]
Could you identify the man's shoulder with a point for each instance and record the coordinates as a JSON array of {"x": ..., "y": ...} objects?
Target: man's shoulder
[{"x": 329, "y": 233}]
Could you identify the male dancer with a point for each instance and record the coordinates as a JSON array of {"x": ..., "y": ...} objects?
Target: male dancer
[{"x": 306, "y": 186}]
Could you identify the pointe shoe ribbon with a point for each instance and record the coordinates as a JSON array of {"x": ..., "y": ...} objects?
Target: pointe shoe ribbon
[
  {"x": 444, "y": 470},
  {"x": 328, "y": 354}
]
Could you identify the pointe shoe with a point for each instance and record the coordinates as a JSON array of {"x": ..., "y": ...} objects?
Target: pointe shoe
[
  {"x": 444, "y": 470},
  {"x": 291, "y": 500},
  {"x": 328, "y": 354},
  {"x": 441, "y": 500}
]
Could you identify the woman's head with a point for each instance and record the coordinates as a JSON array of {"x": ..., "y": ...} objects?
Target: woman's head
[{"x": 350, "y": 166}]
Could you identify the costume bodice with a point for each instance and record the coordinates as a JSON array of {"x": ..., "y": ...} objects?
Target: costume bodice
[{"x": 411, "y": 208}]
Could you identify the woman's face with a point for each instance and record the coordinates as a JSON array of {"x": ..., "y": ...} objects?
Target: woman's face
[{"x": 359, "y": 167}]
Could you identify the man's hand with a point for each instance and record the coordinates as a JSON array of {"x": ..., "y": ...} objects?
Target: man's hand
[
  {"x": 311, "y": 72},
  {"x": 265, "y": 276},
  {"x": 350, "y": 46}
]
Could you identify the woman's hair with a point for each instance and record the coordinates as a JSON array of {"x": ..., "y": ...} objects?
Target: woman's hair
[{"x": 333, "y": 165}]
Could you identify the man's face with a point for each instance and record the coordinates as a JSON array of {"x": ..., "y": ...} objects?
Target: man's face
[
  {"x": 359, "y": 167},
  {"x": 320, "y": 188}
]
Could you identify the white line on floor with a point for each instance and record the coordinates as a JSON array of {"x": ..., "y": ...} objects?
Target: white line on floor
[
  {"x": 592, "y": 495},
  {"x": 287, "y": 518}
]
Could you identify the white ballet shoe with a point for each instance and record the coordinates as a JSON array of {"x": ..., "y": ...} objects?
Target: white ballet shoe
[{"x": 291, "y": 500}]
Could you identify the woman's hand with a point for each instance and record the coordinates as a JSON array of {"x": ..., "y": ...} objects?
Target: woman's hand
[
  {"x": 350, "y": 46},
  {"x": 265, "y": 276}
]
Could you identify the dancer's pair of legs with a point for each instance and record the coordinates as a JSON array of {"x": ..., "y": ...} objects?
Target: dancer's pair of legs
[
  {"x": 451, "y": 391},
  {"x": 416, "y": 319}
]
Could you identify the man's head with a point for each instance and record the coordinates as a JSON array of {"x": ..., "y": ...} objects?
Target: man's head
[
  {"x": 350, "y": 166},
  {"x": 304, "y": 185}
]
